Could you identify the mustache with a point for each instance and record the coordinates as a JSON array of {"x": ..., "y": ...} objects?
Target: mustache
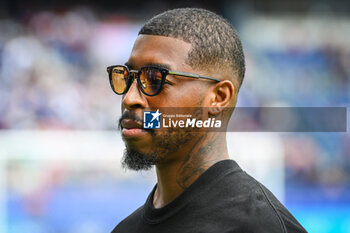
[{"x": 130, "y": 116}]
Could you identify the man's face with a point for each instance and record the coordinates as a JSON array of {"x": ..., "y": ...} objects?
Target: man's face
[{"x": 177, "y": 92}]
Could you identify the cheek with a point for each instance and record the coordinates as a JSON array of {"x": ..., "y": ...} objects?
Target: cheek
[
  {"x": 192, "y": 95},
  {"x": 188, "y": 94},
  {"x": 171, "y": 140}
]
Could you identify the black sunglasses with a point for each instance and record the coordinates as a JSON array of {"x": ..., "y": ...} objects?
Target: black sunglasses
[{"x": 150, "y": 79}]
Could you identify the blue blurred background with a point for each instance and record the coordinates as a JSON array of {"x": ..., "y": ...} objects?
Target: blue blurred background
[{"x": 59, "y": 148}]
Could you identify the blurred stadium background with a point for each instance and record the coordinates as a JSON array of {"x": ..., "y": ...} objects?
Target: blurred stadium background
[{"x": 59, "y": 147}]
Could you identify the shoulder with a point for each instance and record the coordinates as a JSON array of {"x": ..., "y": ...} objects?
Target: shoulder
[
  {"x": 130, "y": 223},
  {"x": 256, "y": 207},
  {"x": 243, "y": 204},
  {"x": 286, "y": 219}
]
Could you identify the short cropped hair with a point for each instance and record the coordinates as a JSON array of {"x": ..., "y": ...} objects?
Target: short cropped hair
[{"x": 215, "y": 43}]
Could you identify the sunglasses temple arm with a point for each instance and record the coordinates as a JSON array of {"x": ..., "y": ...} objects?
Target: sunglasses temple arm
[{"x": 189, "y": 75}]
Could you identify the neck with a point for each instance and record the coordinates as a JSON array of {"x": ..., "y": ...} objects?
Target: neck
[{"x": 174, "y": 177}]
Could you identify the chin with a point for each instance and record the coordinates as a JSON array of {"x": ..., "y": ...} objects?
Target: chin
[
  {"x": 136, "y": 160},
  {"x": 139, "y": 146}
]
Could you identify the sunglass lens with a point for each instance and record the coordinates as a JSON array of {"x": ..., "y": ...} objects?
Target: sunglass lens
[
  {"x": 151, "y": 80},
  {"x": 119, "y": 79}
]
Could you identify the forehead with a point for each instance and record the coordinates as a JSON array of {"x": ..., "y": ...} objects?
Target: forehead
[{"x": 150, "y": 49}]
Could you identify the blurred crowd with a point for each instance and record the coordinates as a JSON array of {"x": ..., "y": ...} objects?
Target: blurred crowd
[
  {"x": 303, "y": 62},
  {"x": 53, "y": 70},
  {"x": 53, "y": 76}
]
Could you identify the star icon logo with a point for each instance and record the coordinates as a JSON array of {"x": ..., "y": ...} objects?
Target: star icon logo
[
  {"x": 156, "y": 115},
  {"x": 151, "y": 119}
]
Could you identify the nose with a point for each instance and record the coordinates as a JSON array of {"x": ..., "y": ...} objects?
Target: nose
[{"x": 134, "y": 99}]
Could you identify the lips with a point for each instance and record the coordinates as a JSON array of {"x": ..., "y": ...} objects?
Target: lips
[
  {"x": 132, "y": 129},
  {"x": 130, "y": 124}
]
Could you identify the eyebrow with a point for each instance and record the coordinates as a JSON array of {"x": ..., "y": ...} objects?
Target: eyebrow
[{"x": 160, "y": 65}]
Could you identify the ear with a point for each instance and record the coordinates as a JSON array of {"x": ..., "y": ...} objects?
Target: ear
[{"x": 221, "y": 97}]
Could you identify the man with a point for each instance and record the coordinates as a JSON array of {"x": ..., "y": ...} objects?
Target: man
[{"x": 190, "y": 58}]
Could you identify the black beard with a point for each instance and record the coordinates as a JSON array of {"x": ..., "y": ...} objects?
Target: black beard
[
  {"x": 137, "y": 161},
  {"x": 164, "y": 143}
]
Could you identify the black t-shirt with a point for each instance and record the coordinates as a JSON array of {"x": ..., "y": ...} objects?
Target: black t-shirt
[{"x": 223, "y": 199}]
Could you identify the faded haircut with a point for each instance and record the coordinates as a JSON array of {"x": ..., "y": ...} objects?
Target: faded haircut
[{"x": 215, "y": 43}]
